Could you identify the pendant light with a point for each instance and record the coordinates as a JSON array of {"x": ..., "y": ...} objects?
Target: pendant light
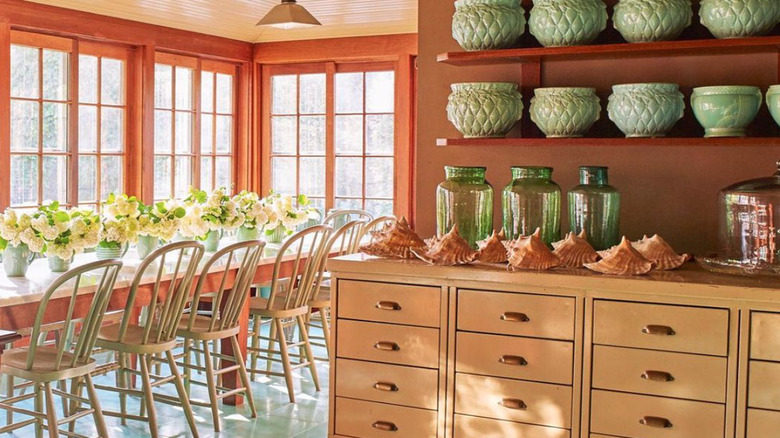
[{"x": 289, "y": 15}]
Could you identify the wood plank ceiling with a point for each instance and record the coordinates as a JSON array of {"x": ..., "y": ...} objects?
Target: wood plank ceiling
[{"x": 236, "y": 19}]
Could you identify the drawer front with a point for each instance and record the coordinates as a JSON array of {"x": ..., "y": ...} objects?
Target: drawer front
[
  {"x": 762, "y": 424},
  {"x": 639, "y": 416},
  {"x": 658, "y": 373},
  {"x": 516, "y": 314},
  {"x": 394, "y": 384},
  {"x": 764, "y": 342},
  {"x": 472, "y": 427},
  {"x": 402, "y": 345},
  {"x": 662, "y": 327},
  {"x": 516, "y": 358},
  {"x": 514, "y": 400},
  {"x": 764, "y": 385},
  {"x": 387, "y": 302},
  {"x": 376, "y": 420}
]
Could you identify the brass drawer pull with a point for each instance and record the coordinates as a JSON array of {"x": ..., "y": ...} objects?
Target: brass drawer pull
[
  {"x": 514, "y": 317},
  {"x": 659, "y": 330},
  {"x": 657, "y": 376},
  {"x": 387, "y": 346},
  {"x": 386, "y": 386},
  {"x": 385, "y": 426},
  {"x": 513, "y": 360},
  {"x": 513, "y": 403},
  {"x": 658, "y": 422},
  {"x": 388, "y": 305}
]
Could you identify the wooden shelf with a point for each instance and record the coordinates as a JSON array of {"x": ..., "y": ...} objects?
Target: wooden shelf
[
  {"x": 622, "y": 142},
  {"x": 766, "y": 44}
]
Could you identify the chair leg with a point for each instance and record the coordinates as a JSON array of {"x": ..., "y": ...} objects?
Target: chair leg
[
  {"x": 9, "y": 415},
  {"x": 243, "y": 375},
  {"x": 185, "y": 401},
  {"x": 38, "y": 408},
  {"x": 285, "y": 358},
  {"x": 146, "y": 386},
  {"x": 309, "y": 353},
  {"x": 97, "y": 415},
  {"x": 212, "y": 386},
  {"x": 271, "y": 340},
  {"x": 254, "y": 344},
  {"x": 51, "y": 413},
  {"x": 122, "y": 378},
  {"x": 75, "y": 389},
  {"x": 324, "y": 312},
  {"x": 187, "y": 364}
]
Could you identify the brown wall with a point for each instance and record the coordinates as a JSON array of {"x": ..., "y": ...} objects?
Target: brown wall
[{"x": 665, "y": 189}]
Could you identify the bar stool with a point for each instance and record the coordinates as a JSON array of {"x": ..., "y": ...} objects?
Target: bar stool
[
  {"x": 212, "y": 326},
  {"x": 155, "y": 334},
  {"x": 42, "y": 365},
  {"x": 288, "y": 308}
]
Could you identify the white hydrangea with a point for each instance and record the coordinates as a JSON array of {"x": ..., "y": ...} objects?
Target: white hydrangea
[
  {"x": 17, "y": 228},
  {"x": 192, "y": 224}
]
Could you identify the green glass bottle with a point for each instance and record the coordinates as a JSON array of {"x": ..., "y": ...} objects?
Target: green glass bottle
[
  {"x": 532, "y": 200},
  {"x": 594, "y": 206},
  {"x": 465, "y": 199}
]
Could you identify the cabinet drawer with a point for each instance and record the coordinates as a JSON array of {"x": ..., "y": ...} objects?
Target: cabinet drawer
[
  {"x": 376, "y": 420},
  {"x": 624, "y": 414},
  {"x": 516, "y": 358},
  {"x": 658, "y": 373},
  {"x": 394, "y": 384},
  {"x": 762, "y": 424},
  {"x": 516, "y": 314},
  {"x": 514, "y": 400},
  {"x": 764, "y": 342},
  {"x": 662, "y": 327},
  {"x": 403, "y": 345},
  {"x": 387, "y": 302},
  {"x": 472, "y": 427},
  {"x": 764, "y": 385}
]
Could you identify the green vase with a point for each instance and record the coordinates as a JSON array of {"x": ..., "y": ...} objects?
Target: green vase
[
  {"x": 146, "y": 245},
  {"x": 642, "y": 21},
  {"x": 276, "y": 235},
  {"x": 565, "y": 111},
  {"x": 104, "y": 253},
  {"x": 488, "y": 24},
  {"x": 773, "y": 102},
  {"x": 646, "y": 110},
  {"x": 739, "y": 18},
  {"x": 484, "y": 109},
  {"x": 211, "y": 243},
  {"x": 594, "y": 206},
  {"x": 532, "y": 200},
  {"x": 245, "y": 234},
  {"x": 58, "y": 265},
  {"x": 557, "y": 23},
  {"x": 726, "y": 111},
  {"x": 16, "y": 260},
  {"x": 465, "y": 199}
]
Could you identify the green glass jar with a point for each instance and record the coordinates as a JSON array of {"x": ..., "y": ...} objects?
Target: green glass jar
[
  {"x": 594, "y": 206},
  {"x": 532, "y": 200},
  {"x": 465, "y": 199}
]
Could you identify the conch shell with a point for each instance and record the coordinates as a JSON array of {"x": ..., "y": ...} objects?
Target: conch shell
[
  {"x": 622, "y": 260},
  {"x": 660, "y": 253},
  {"x": 492, "y": 249},
  {"x": 449, "y": 250},
  {"x": 574, "y": 251},
  {"x": 531, "y": 253},
  {"x": 397, "y": 241}
]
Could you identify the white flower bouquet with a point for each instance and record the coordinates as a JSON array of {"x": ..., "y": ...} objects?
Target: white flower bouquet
[
  {"x": 16, "y": 230},
  {"x": 120, "y": 221},
  {"x": 251, "y": 207},
  {"x": 66, "y": 233},
  {"x": 161, "y": 220},
  {"x": 217, "y": 209},
  {"x": 282, "y": 211}
]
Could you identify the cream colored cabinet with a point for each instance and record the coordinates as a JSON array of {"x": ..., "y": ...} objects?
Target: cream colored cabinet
[{"x": 763, "y": 400}]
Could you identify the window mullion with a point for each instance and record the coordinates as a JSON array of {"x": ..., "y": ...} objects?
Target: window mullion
[
  {"x": 330, "y": 136},
  {"x": 196, "y": 126}
]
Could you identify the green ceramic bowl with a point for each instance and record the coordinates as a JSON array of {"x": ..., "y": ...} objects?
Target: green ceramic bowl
[
  {"x": 645, "y": 110},
  {"x": 565, "y": 112},
  {"x": 488, "y": 24},
  {"x": 641, "y": 21},
  {"x": 484, "y": 109},
  {"x": 725, "y": 111},
  {"x": 557, "y": 23},
  {"x": 773, "y": 102},
  {"x": 739, "y": 18}
]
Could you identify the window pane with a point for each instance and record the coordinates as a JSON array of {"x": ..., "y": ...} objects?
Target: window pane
[
  {"x": 379, "y": 208},
  {"x": 312, "y": 176},
  {"x": 380, "y": 138},
  {"x": 224, "y": 94},
  {"x": 312, "y": 135},
  {"x": 24, "y": 72},
  {"x": 284, "y": 135},
  {"x": 349, "y": 177},
  {"x": 88, "y": 83},
  {"x": 313, "y": 94},
  {"x": 55, "y": 178},
  {"x": 183, "y": 88},
  {"x": 284, "y": 94},
  {"x": 162, "y": 131},
  {"x": 24, "y": 126},
  {"x": 112, "y": 124},
  {"x": 55, "y": 126},
  {"x": 284, "y": 175},
  {"x": 55, "y": 75},
  {"x": 380, "y": 92},
  {"x": 162, "y": 177},
  {"x": 163, "y": 82},
  {"x": 224, "y": 134},
  {"x": 349, "y": 93},
  {"x": 224, "y": 172},
  {"x": 110, "y": 175},
  {"x": 183, "y": 132},
  {"x": 87, "y": 129},
  {"x": 113, "y": 82},
  {"x": 349, "y": 204},
  {"x": 207, "y": 91},
  {"x": 87, "y": 178},
  {"x": 206, "y": 174},
  {"x": 207, "y": 134},
  {"x": 319, "y": 204},
  {"x": 24, "y": 180},
  {"x": 379, "y": 177},
  {"x": 349, "y": 135},
  {"x": 183, "y": 176}
]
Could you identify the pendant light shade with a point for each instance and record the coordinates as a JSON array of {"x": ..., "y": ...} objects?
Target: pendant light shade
[{"x": 289, "y": 15}]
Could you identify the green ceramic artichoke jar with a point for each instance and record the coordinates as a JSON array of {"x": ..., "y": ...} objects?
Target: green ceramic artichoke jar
[
  {"x": 488, "y": 24},
  {"x": 726, "y": 111},
  {"x": 557, "y": 23},
  {"x": 565, "y": 112},
  {"x": 773, "y": 102},
  {"x": 641, "y": 21},
  {"x": 484, "y": 109},
  {"x": 646, "y": 110},
  {"x": 739, "y": 18}
]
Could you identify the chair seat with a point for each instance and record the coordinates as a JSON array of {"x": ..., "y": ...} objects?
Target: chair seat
[
  {"x": 108, "y": 337},
  {"x": 259, "y": 307},
  {"x": 201, "y": 329},
  {"x": 43, "y": 370},
  {"x": 321, "y": 300}
]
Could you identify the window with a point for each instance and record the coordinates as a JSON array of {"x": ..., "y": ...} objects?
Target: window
[
  {"x": 217, "y": 129},
  {"x": 174, "y": 114}
]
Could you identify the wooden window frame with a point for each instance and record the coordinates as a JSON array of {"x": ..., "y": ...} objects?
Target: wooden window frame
[{"x": 217, "y": 67}]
